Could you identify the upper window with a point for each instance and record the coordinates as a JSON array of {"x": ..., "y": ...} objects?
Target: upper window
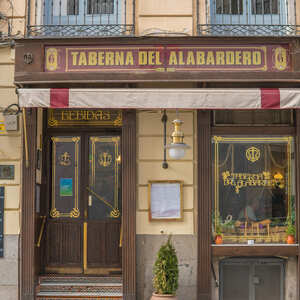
[
  {"x": 233, "y": 7},
  {"x": 85, "y": 18},
  {"x": 260, "y": 7},
  {"x": 100, "y": 6},
  {"x": 247, "y": 18},
  {"x": 254, "y": 195}
]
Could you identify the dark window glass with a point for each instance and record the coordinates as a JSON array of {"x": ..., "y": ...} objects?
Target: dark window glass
[
  {"x": 100, "y": 7},
  {"x": 73, "y": 7},
  {"x": 260, "y": 7},
  {"x": 253, "y": 188},
  {"x": 231, "y": 7}
]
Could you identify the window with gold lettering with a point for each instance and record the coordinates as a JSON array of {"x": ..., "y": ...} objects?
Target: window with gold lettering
[{"x": 253, "y": 188}]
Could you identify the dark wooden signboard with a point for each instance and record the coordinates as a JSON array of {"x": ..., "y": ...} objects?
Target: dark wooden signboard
[{"x": 1, "y": 219}]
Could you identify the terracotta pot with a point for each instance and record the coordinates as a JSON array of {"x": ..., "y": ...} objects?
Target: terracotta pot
[
  {"x": 290, "y": 239},
  {"x": 163, "y": 297},
  {"x": 219, "y": 240}
]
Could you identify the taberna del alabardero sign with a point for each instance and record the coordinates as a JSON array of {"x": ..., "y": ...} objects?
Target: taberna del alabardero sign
[{"x": 209, "y": 58}]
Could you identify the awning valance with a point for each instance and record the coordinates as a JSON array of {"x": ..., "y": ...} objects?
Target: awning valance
[{"x": 161, "y": 98}]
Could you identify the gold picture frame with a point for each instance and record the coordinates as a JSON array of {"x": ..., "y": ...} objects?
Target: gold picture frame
[{"x": 165, "y": 200}]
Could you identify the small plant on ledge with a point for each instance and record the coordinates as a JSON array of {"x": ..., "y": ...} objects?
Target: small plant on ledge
[
  {"x": 165, "y": 281},
  {"x": 290, "y": 231},
  {"x": 219, "y": 236}
]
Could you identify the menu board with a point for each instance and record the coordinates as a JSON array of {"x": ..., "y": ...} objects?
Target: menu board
[{"x": 1, "y": 219}]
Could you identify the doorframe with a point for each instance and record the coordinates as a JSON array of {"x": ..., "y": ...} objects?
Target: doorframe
[{"x": 28, "y": 267}]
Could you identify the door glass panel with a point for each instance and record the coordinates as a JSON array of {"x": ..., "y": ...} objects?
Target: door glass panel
[
  {"x": 65, "y": 177},
  {"x": 104, "y": 178}
]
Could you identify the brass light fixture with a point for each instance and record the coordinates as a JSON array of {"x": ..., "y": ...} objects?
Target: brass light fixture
[{"x": 177, "y": 147}]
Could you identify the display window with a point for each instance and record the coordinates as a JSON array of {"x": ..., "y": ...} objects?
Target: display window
[{"x": 253, "y": 188}]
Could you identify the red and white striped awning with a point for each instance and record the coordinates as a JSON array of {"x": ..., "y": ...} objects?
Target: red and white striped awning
[{"x": 161, "y": 98}]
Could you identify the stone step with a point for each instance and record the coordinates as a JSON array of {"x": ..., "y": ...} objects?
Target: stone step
[
  {"x": 79, "y": 279},
  {"x": 78, "y": 298},
  {"x": 77, "y": 287}
]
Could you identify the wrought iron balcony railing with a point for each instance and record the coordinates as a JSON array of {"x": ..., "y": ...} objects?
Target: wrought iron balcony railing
[
  {"x": 80, "y": 18},
  {"x": 248, "y": 17}
]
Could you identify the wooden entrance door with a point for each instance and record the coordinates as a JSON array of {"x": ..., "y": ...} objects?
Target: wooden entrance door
[{"x": 84, "y": 221}]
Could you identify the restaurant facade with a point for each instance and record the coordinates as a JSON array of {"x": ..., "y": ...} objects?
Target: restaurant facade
[{"x": 101, "y": 187}]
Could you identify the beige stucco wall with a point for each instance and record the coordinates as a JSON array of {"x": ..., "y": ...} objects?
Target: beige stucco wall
[
  {"x": 150, "y": 158},
  {"x": 10, "y": 145},
  {"x": 10, "y": 142},
  {"x": 15, "y": 12},
  {"x": 161, "y": 17}
]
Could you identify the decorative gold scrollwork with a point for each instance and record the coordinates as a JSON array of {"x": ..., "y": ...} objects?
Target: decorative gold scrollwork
[
  {"x": 118, "y": 121},
  {"x": 75, "y": 213},
  {"x": 54, "y": 213},
  {"x": 115, "y": 213}
]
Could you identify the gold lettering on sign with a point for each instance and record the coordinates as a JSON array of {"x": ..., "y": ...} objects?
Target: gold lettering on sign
[
  {"x": 85, "y": 115},
  {"x": 242, "y": 180}
]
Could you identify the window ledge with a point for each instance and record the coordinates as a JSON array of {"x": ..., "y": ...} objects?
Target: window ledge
[{"x": 255, "y": 250}]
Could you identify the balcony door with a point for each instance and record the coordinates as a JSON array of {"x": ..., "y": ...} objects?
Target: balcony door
[
  {"x": 248, "y": 12},
  {"x": 83, "y": 12},
  {"x": 84, "y": 234}
]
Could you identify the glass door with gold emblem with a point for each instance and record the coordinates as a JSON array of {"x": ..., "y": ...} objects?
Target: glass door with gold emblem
[
  {"x": 83, "y": 230},
  {"x": 102, "y": 226}
]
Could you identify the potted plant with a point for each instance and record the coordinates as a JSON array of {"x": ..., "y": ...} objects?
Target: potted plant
[
  {"x": 291, "y": 232},
  {"x": 165, "y": 280},
  {"x": 219, "y": 236}
]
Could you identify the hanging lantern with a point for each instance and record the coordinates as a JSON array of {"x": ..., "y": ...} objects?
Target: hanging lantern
[{"x": 177, "y": 147}]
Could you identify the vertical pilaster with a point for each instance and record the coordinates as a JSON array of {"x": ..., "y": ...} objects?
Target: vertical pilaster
[
  {"x": 27, "y": 264},
  {"x": 129, "y": 204},
  {"x": 204, "y": 205},
  {"x": 297, "y": 155}
]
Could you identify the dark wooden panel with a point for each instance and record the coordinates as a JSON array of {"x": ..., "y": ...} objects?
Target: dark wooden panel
[
  {"x": 129, "y": 204},
  {"x": 93, "y": 77},
  {"x": 204, "y": 205},
  {"x": 64, "y": 244},
  {"x": 261, "y": 250},
  {"x": 27, "y": 264},
  {"x": 244, "y": 130},
  {"x": 103, "y": 239},
  {"x": 297, "y": 153},
  {"x": 112, "y": 244},
  {"x": 96, "y": 243}
]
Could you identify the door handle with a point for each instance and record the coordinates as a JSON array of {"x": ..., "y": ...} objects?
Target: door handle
[{"x": 256, "y": 280}]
